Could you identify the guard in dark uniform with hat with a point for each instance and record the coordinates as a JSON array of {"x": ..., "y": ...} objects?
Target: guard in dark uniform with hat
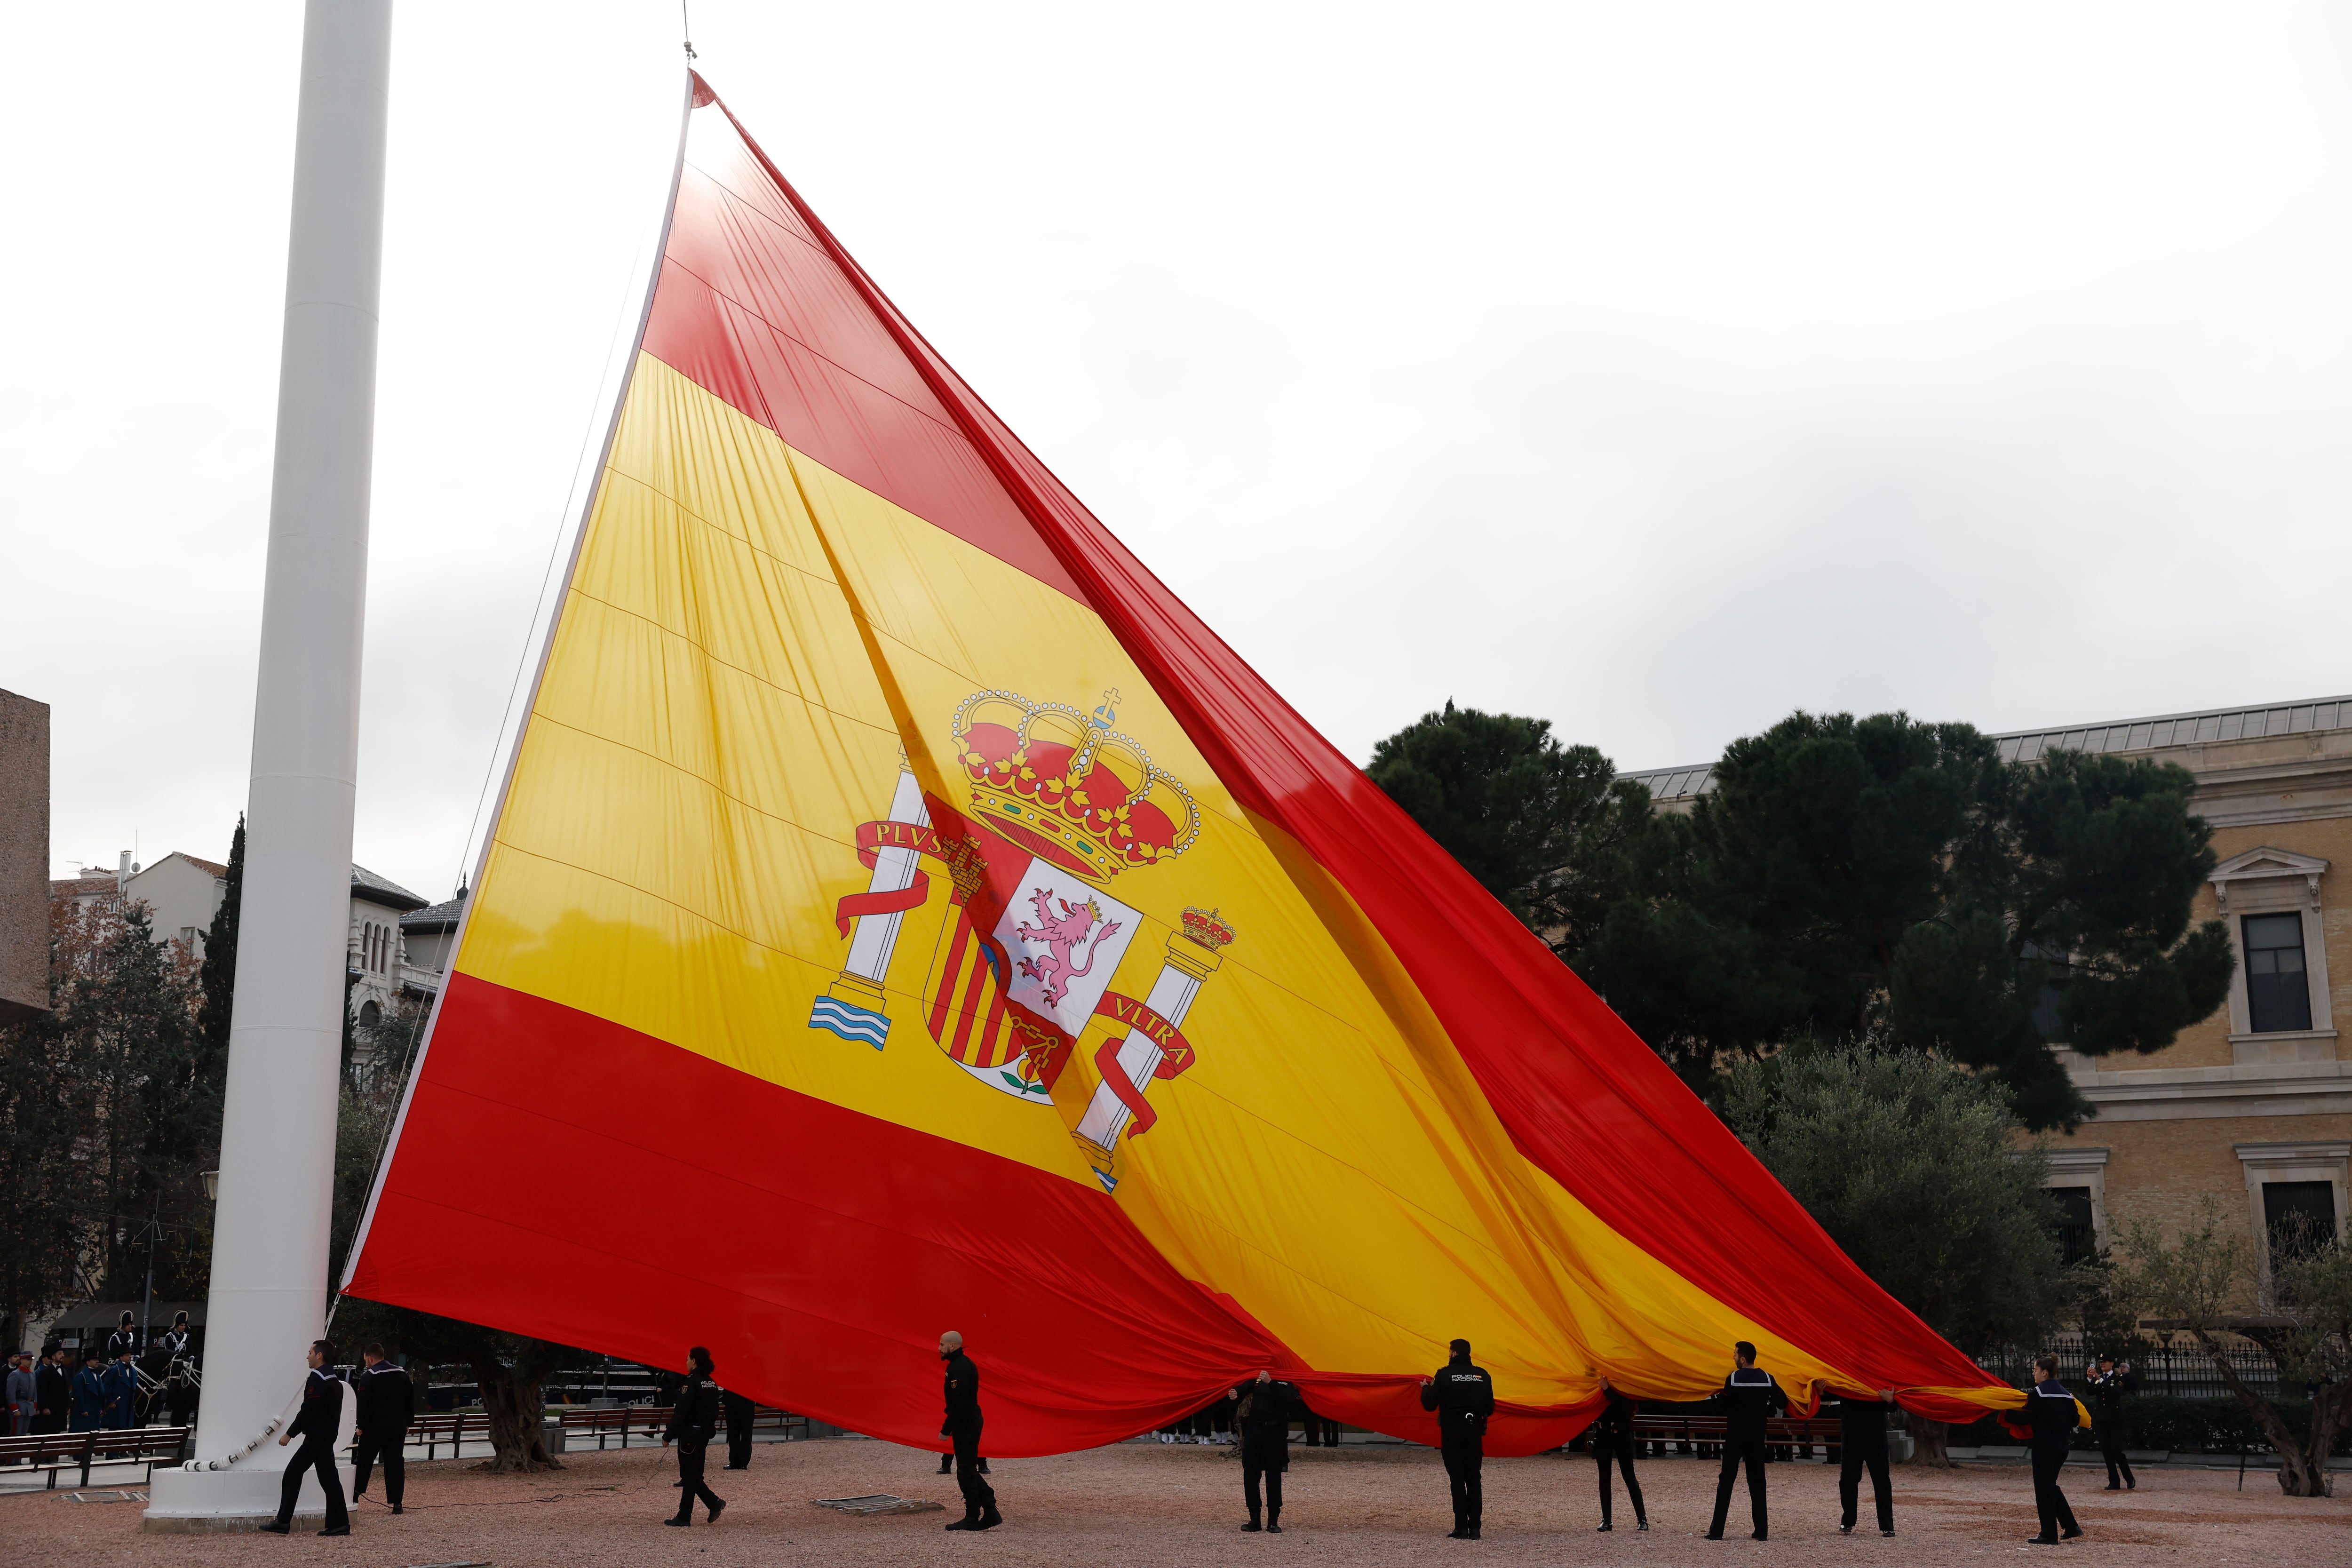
[
  {"x": 318, "y": 1423},
  {"x": 180, "y": 1371},
  {"x": 122, "y": 1342},
  {"x": 1749, "y": 1398},
  {"x": 2109, "y": 1381},
  {"x": 1464, "y": 1397},
  {"x": 961, "y": 1388}
]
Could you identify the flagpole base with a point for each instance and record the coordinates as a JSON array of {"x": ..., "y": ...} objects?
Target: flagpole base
[{"x": 229, "y": 1502}]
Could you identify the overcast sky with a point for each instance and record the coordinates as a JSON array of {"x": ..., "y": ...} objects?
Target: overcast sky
[{"x": 1656, "y": 370}]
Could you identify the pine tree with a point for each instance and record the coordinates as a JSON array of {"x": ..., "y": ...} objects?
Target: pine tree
[{"x": 219, "y": 978}]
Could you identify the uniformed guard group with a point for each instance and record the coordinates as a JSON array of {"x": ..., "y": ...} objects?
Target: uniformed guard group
[
  {"x": 102, "y": 1390},
  {"x": 1460, "y": 1395}
]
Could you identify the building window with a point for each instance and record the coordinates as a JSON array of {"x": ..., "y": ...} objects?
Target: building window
[
  {"x": 2278, "y": 992},
  {"x": 2078, "y": 1237},
  {"x": 2298, "y": 1218},
  {"x": 369, "y": 1015}
]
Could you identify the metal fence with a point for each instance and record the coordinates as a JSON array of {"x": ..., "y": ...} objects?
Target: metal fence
[{"x": 2172, "y": 1365}]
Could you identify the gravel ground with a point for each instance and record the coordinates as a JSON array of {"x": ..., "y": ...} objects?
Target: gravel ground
[{"x": 1147, "y": 1503}]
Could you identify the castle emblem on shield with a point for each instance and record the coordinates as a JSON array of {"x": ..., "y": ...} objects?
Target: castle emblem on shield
[{"x": 1061, "y": 806}]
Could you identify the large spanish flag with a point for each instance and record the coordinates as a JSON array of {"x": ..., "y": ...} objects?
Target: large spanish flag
[{"x": 904, "y": 914}]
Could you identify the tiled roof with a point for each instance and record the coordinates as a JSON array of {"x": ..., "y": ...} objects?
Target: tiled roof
[
  {"x": 81, "y": 887},
  {"x": 439, "y": 917},
  {"x": 216, "y": 868},
  {"x": 383, "y": 890},
  {"x": 2110, "y": 735}
]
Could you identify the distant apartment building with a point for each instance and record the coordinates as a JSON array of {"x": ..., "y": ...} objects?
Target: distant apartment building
[
  {"x": 2254, "y": 1104},
  {"x": 183, "y": 892}
]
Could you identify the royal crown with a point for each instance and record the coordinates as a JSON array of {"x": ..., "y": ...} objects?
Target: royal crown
[
  {"x": 1067, "y": 787},
  {"x": 1207, "y": 929}
]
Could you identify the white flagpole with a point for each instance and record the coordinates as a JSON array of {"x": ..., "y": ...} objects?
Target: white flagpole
[{"x": 277, "y": 1139}]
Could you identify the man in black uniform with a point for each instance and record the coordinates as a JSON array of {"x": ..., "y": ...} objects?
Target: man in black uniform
[
  {"x": 1464, "y": 1397},
  {"x": 179, "y": 1372},
  {"x": 52, "y": 1391},
  {"x": 2047, "y": 1422},
  {"x": 961, "y": 1389},
  {"x": 1262, "y": 1414},
  {"x": 318, "y": 1423},
  {"x": 737, "y": 1408},
  {"x": 386, "y": 1403},
  {"x": 1750, "y": 1397},
  {"x": 122, "y": 1342},
  {"x": 2109, "y": 1383},
  {"x": 1861, "y": 1444},
  {"x": 693, "y": 1422},
  {"x": 1613, "y": 1438}
]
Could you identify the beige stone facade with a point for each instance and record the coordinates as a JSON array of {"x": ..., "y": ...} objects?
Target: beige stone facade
[
  {"x": 24, "y": 856},
  {"x": 2254, "y": 1105}
]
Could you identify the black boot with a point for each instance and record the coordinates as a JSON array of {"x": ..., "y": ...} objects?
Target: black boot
[
  {"x": 1252, "y": 1526},
  {"x": 989, "y": 1519},
  {"x": 680, "y": 1521},
  {"x": 1274, "y": 1522}
]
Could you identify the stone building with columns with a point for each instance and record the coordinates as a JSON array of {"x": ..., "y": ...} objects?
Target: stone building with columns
[{"x": 2254, "y": 1104}]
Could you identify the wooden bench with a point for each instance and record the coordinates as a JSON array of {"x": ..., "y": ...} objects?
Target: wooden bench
[
  {"x": 610, "y": 1421},
  {"x": 454, "y": 1428},
  {"x": 1703, "y": 1434},
  {"x": 56, "y": 1451},
  {"x": 627, "y": 1421}
]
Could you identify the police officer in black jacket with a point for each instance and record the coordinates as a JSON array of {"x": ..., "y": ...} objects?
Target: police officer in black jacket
[
  {"x": 318, "y": 1423},
  {"x": 386, "y": 1402},
  {"x": 1861, "y": 1444},
  {"x": 1611, "y": 1434},
  {"x": 693, "y": 1422},
  {"x": 2108, "y": 1383},
  {"x": 2048, "y": 1423},
  {"x": 1749, "y": 1398},
  {"x": 1262, "y": 1413},
  {"x": 961, "y": 1388},
  {"x": 1464, "y": 1397}
]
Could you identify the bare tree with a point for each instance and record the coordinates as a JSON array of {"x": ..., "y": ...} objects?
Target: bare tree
[{"x": 2205, "y": 1283}]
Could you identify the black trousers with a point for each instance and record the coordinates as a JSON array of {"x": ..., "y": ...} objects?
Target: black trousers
[
  {"x": 1860, "y": 1451},
  {"x": 1741, "y": 1449},
  {"x": 317, "y": 1453},
  {"x": 1265, "y": 1453},
  {"x": 979, "y": 1497},
  {"x": 739, "y": 1442},
  {"x": 692, "y": 1452},
  {"x": 2111, "y": 1435},
  {"x": 2049, "y": 1502},
  {"x": 1464, "y": 1454},
  {"x": 1617, "y": 1446},
  {"x": 386, "y": 1447}
]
